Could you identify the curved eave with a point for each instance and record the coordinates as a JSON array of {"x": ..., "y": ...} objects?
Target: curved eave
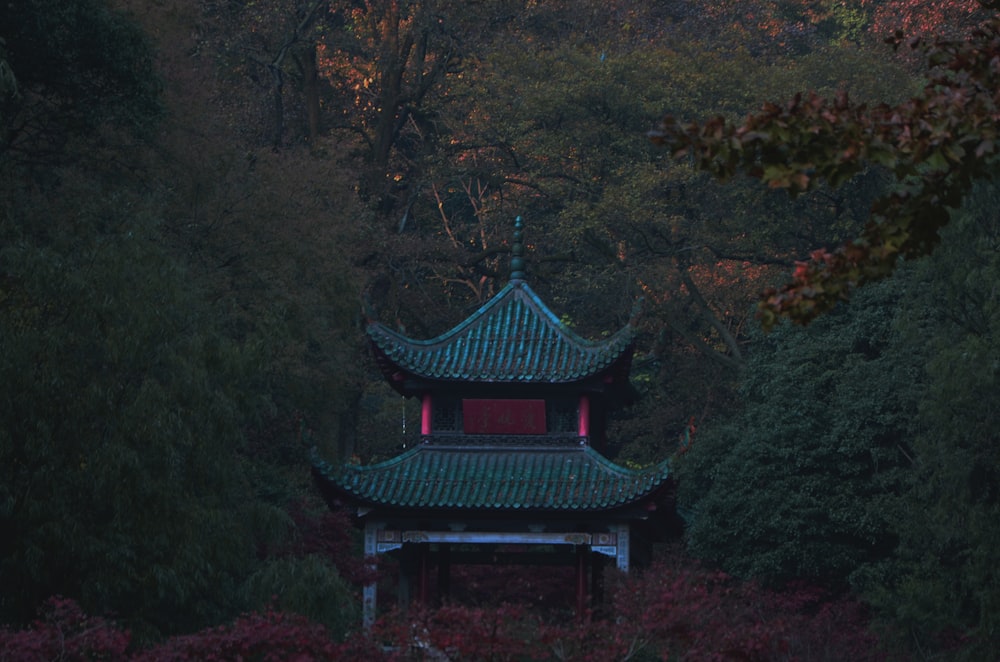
[
  {"x": 513, "y": 338},
  {"x": 490, "y": 480}
]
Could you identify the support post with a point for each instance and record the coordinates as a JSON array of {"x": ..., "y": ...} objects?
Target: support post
[
  {"x": 596, "y": 579},
  {"x": 622, "y": 556},
  {"x": 583, "y": 419},
  {"x": 426, "y": 415},
  {"x": 369, "y": 593},
  {"x": 423, "y": 553},
  {"x": 444, "y": 571},
  {"x": 582, "y": 552},
  {"x": 407, "y": 570}
]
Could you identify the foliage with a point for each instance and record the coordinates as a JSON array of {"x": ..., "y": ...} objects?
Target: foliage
[
  {"x": 925, "y": 18},
  {"x": 692, "y": 613},
  {"x": 261, "y": 234},
  {"x": 387, "y": 63},
  {"x": 550, "y": 131},
  {"x": 123, "y": 407},
  {"x": 882, "y": 411},
  {"x": 673, "y": 610},
  {"x": 935, "y": 145},
  {"x": 266, "y": 54},
  {"x": 178, "y": 309},
  {"x": 329, "y": 534},
  {"x": 76, "y": 67},
  {"x": 499, "y": 633},
  {"x": 772, "y": 29},
  {"x": 309, "y": 586},
  {"x": 268, "y": 636},
  {"x": 65, "y": 632},
  {"x": 940, "y": 587},
  {"x": 150, "y": 357},
  {"x": 316, "y": 572},
  {"x": 789, "y": 487}
]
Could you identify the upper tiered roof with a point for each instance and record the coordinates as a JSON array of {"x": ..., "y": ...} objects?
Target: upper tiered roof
[{"x": 512, "y": 338}]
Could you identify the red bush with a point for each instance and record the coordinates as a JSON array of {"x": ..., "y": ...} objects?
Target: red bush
[
  {"x": 330, "y": 534},
  {"x": 64, "y": 633},
  {"x": 674, "y": 609},
  {"x": 268, "y": 637}
]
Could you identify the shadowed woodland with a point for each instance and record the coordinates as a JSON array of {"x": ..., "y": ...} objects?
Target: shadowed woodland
[{"x": 204, "y": 200}]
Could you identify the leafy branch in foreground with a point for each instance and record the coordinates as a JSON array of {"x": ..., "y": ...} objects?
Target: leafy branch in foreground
[{"x": 936, "y": 145}]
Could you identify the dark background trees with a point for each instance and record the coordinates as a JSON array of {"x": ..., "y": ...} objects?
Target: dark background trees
[
  {"x": 199, "y": 196},
  {"x": 154, "y": 363}
]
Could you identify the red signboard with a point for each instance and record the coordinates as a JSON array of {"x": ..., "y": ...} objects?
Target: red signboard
[{"x": 503, "y": 416}]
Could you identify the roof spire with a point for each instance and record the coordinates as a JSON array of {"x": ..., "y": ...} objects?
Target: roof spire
[{"x": 517, "y": 252}]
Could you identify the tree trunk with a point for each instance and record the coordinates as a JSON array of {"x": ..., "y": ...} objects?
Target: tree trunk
[{"x": 310, "y": 87}]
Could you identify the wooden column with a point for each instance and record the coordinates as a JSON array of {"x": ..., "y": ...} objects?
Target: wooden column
[
  {"x": 369, "y": 593},
  {"x": 444, "y": 571},
  {"x": 582, "y": 552},
  {"x": 622, "y": 557},
  {"x": 408, "y": 569},
  {"x": 423, "y": 560},
  {"x": 596, "y": 579},
  {"x": 426, "y": 414}
]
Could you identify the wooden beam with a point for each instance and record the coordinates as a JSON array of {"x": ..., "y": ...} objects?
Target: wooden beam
[
  {"x": 494, "y": 537},
  {"x": 555, "y": 558}
]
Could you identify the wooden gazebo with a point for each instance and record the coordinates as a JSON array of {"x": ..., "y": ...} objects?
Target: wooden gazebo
[{"x": 513, "y": 414}]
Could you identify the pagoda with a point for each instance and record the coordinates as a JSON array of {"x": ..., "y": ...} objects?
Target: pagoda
[{"x": 514, "y": 407}]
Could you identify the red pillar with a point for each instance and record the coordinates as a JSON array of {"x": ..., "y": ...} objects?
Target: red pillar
[{"x": 426, "y": 414}]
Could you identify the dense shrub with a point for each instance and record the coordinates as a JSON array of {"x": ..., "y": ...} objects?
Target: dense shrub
[{"x": 64, "y": 632}]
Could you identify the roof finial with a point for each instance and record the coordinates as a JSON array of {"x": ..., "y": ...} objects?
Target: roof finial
[{"x": 517, "y": 252}]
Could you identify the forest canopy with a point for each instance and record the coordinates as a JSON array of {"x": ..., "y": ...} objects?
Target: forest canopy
[{"x": 203, "y": 200}]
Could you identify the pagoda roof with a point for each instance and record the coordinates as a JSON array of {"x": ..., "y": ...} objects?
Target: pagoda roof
[
  {"x": 556, "y": 479},
  {"x": 513, "y": 338}
]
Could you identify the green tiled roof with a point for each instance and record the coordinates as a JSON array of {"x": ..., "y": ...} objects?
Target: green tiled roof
[
  {"x": 492, "y": 479},
  {"x": 514, "y": 337}
]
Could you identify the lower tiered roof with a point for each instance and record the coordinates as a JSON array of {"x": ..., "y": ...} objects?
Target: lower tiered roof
[{"x": 572, "y": 478}]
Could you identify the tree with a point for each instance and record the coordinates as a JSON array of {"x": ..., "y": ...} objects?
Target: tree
[
  {"x": 789, "y": 488},
  {"x": 385, "y": 63},
  {"x": 940, "y": 587},
  {"x": 68, "y": 71},
  {"x": 935, "y": 146},
  {"x": 121, "y": 425},
  {"x": 152, "y": 352},
  {"x": 866, "y": 449},
  {"x": 270, "y": 235},
  {"x": 777, "y": 28},
  {"x": 554, "y": 137},
  {"x": 925, "y": 18},
  {"x": 552, "y": 131},
  {"x": 267, "y": 58}
]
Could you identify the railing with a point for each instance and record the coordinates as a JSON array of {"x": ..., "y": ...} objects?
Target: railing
[{"x": 505, "y": 440}]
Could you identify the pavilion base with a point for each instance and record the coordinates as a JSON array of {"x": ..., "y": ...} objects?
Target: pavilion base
[{"x": 420, "y": 550}]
